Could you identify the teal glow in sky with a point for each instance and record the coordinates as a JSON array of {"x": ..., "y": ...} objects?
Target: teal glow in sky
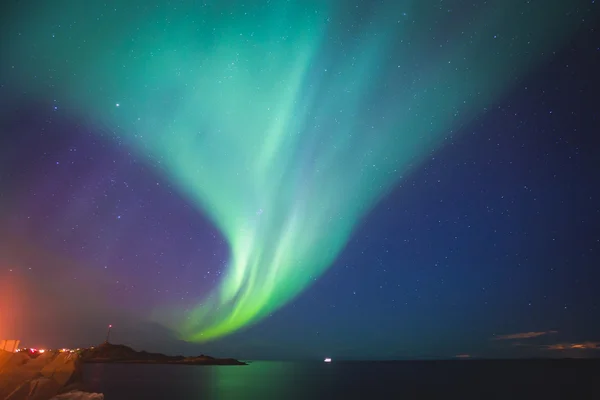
[{"x": 284, "y": 122}]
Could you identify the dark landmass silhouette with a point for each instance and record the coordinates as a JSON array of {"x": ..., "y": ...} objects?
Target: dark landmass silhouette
[{"x": 118, "y": 353}]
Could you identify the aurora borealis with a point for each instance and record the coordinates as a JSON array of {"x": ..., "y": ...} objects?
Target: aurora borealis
[{"x": 283, "y": 122}]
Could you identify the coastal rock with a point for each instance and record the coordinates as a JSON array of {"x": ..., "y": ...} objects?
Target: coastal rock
[
  {"x": 35, "y": 389},
  {"x": 40, "y": 378},
  {"x": 79, "y": 395},
  {"x": 8, "y": 361},
  {"x": 14, "y": 371},
  {"x": 5, "y": 356},
  {"x": 61, "y": 368}
]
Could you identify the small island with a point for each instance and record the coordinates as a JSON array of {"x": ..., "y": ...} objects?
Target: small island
[{"x": 118, "y": 353}]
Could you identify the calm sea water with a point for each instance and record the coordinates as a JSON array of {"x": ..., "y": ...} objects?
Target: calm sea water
[{"x": 350, "y": 380}]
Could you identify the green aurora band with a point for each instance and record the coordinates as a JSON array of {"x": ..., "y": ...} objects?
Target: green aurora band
[{"x": 284, "y": 121}]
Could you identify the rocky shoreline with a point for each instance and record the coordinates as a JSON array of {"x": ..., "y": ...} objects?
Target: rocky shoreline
[
  {"x": 53, "y": 375},
  {"x": 57, "y": 375}
]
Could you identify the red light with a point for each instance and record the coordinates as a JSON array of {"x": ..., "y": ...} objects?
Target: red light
[{"x": 110, "y": 326}]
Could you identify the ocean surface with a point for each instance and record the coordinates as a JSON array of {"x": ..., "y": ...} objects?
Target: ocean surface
[{"x": 529, "y": 379}]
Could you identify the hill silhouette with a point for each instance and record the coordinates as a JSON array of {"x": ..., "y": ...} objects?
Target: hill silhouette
[{"x": 118, "y": 353}]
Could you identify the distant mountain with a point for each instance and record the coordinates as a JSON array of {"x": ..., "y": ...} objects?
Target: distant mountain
[{"x": 118, "y": 353}]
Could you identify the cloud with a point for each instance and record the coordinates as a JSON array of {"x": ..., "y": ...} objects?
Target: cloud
[
  {"x": 522, "y": 335},
  {"x": 573, "y": 346},
  {"x": 463, "y": 356}
]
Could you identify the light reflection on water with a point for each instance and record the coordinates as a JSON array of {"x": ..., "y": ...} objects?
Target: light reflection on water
[
  {"x": 513, "y": 379},
  {"x": 262, "y": 379}
]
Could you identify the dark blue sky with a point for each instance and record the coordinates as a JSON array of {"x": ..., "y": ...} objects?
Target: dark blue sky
[{"x": 497, "y": 234}]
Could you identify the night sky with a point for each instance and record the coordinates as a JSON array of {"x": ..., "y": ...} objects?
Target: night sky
[{"x": 301, "y": 179}]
